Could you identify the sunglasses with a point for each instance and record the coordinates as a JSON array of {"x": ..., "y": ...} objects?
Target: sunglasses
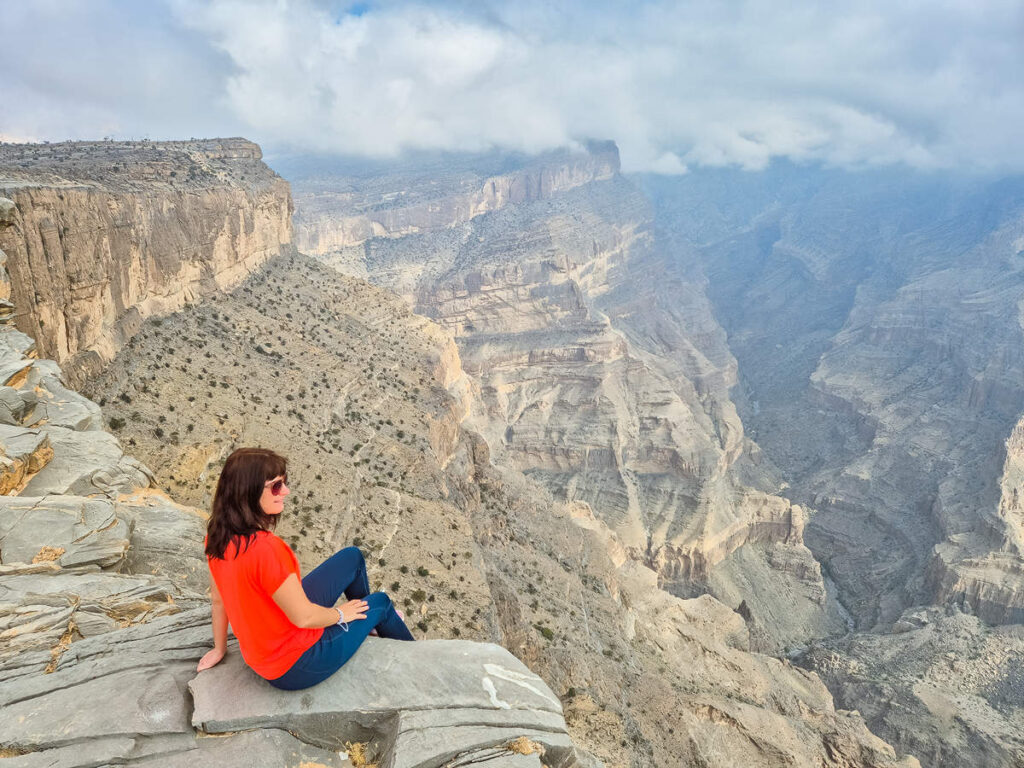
[{"x": 276, "y": 486}]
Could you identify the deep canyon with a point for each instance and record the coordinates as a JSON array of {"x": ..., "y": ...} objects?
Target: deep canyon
[{"x": 732, "y": 461}]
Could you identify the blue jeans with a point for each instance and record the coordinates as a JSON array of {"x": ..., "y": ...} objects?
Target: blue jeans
[{"x": 344, "y": 571}]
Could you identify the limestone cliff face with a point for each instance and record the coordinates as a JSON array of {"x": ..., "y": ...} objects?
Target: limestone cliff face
[
  {"x": 983, "y": 571},
  {"x": 107, "y": 234},
  {"x": 1011, "y": 502},
  {"x": 333, "y": 214},
  {"x": 876, "y": 320},
  {"x": 597, "y": 369}
]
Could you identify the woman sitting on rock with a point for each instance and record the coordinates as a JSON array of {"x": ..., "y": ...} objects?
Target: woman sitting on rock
[{"x": 287, "y": 630}]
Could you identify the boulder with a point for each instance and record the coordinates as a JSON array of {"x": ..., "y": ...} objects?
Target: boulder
[
  {"x": 23, "y": 453},
  {"x": 7, "y": 212}
]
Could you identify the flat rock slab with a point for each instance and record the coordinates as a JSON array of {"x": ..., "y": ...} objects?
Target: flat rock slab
[
  {"x": 268, "y": 748},
  {"x": 166, "y": 539},
  {"x": 112, "y": 697},
  {"x": 86, "y": 463},
  {"x": 69, "y": 530},
  {"x": 419, "y": 704}
]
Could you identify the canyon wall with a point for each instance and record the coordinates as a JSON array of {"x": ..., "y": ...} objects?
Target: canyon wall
[
  {"x": 106, "y": 234},
  {"x": 603, "y": 375},
  {"x": 876, "y": 321},
  {"x": 331, "y": 215}
]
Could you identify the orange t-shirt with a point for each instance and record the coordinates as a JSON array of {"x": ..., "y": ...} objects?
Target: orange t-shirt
[{"x": 268, "y": 640}]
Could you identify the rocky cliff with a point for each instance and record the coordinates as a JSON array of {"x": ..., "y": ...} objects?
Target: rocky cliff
[
  {"x": 335, "y": 212},
  {"x": 603, "y": 375},
  {"x": 106, "y": 234},
  {"x": 876, "y": 321},
  {"x": 373, "y": 407}
]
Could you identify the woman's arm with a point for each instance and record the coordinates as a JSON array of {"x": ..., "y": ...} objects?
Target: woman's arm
[
  {"x": 291, "y": 598},
  {"x": 220, "y": 629}
]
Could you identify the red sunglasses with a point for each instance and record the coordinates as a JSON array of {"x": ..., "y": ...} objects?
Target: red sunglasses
[{"x": 276, "y": 486}]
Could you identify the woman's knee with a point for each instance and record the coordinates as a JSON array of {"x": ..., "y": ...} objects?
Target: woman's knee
[
  {"x": 350, "y": 555},
  {"x": 355, "y": 553},
  {"x": 378, "y": 600}
]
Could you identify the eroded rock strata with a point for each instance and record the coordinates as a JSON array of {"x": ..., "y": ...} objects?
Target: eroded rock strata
[
  {"x": 603, "y": 375},
  {"x": 876, "y": 320},
  {"x": 106, "y": 234}
]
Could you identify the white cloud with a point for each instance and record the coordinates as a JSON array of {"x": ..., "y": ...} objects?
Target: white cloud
[{"x": 675, "y": 84}]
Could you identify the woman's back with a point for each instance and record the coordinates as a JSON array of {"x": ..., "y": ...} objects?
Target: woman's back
[{"x": 247, "y": 580}]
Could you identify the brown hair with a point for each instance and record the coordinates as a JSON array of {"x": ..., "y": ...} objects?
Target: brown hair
[{"x": 236, "y": 502}]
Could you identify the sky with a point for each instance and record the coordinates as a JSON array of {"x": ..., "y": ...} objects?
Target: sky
[{"x": 678, "y": 85}]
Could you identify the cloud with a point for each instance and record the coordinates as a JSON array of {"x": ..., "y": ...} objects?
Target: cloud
[{"x": 926, "y": 84}]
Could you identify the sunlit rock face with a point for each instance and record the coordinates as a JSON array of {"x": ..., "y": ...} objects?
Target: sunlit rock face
[
  {"x": 106, "y": 234},
  {"x": 600, "y": 369}
]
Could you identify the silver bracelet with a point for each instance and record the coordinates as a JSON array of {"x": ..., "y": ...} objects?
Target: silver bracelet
[{"x": 341, "y": 619}]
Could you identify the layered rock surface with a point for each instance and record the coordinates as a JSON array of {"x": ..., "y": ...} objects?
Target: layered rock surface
[
  {"x": 876, "y": 321},
  {"x": 333, "y": 213},
  {"x": 106, "y": 234},
  {"x": 603, "y": 375}
]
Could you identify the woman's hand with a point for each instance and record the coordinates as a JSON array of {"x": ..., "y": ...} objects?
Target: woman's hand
[
  {"x": 212, "y": 658},
  {"x": 353, "y": 609}
]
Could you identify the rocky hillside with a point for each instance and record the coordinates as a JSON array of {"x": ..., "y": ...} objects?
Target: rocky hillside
[
  {"x": 370, "y": 403},
  {"x": 106, "y": 234},
  {"x": 602, "y": 374}
]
